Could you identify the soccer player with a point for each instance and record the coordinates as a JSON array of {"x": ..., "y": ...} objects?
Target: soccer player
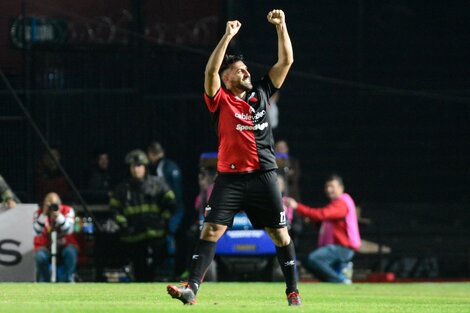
[{"x": 246, "y": 160}]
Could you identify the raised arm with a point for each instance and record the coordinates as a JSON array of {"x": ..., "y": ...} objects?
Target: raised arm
[
  {"x": 285, "y": 58},
  {"x": 211, "y": 75}
]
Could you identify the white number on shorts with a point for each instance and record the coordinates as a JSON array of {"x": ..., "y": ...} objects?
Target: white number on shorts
[{"x": 283, "y": 218}]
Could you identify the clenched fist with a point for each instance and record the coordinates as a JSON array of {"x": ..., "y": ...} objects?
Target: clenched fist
[
  {"x": 232, "y": 28},
  {"x": 276, "y": 17}
]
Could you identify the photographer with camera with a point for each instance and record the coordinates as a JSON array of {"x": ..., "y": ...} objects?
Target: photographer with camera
[{"x": 55, "y": 217}]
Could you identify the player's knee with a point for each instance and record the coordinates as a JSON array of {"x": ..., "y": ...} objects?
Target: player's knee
[
  {"x": 280, "y": 236},
  {"x": 212, "y": 232},
  {"x": 283, "y": 241}
]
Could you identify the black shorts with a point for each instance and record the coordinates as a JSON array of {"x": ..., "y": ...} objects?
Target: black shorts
[{"x": 255, "y": 193}]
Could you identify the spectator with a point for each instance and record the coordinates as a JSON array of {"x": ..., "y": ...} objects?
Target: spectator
[
  {"x": 9, "y": 199},
  {"x": 49, "y": 177},
  {"x": 294, "y": 222},
  {"x": 274, "y": 110},
  {"x": 59, "y": 217},
  {"x": 206, "y": 179},
  {"x": 163, "y": 167},
  {"x": 100, "y": 180},
  {"x": 143, "y": 205},
  {"x": 293, "y": 173},
  {"x": 339, "y": 234}
]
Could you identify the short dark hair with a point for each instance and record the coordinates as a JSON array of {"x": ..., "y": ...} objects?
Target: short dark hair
[
  {"x": 336, "y": 177},
  {"x": 229, "y": 59},
  {"x": 155, "y": 147}
]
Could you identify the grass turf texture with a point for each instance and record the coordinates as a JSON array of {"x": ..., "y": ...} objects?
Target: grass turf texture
[{"x": 235, "y": 297}]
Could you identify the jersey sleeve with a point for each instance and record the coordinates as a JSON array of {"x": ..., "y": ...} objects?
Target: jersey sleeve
[
  {"x": 213, "y": 102},
  {"x": 267, "y": 86}
]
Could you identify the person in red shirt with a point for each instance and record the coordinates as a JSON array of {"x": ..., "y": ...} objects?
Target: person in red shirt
[
  {"x": 339, "y": 234},
  {"x": 55, "y": 216}
]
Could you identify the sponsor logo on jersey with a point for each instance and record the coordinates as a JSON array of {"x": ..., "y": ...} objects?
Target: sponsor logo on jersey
[
  {"x": 243, "y": 116},
  {"x": 252, "y": 98},
  {"x": 259, "y": 115},
  {"x": 254, "y": 127},
  {"x": 248, "y": 117}
]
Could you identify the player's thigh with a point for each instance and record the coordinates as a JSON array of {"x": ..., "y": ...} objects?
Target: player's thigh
[
  {"x": 225, "y": 201},
  {"x": 263, "y": 202}
]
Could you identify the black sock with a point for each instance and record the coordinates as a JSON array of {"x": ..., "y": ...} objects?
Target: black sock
[
  {"x": 201, "y": 259},
  {"x": 286, "y": 258}
]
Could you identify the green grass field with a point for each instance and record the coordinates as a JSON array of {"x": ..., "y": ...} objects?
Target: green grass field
[{"x": 235, "y": 297}]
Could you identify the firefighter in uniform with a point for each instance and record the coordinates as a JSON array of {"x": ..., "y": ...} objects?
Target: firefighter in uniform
[{"x": 143, "y": 205}]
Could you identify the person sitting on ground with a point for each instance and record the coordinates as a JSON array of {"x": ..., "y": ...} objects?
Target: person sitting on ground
[{"x": 339, "y": 234}]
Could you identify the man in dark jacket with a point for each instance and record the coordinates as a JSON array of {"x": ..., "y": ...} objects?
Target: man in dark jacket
[{"x": 161, "y": 166}]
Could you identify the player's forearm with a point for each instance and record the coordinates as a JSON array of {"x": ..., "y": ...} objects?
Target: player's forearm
[
  {"x": 217, "y": 56},
  {"x": 285, "y": 51}
]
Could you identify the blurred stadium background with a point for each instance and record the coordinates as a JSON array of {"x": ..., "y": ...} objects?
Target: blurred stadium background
[{"x": 379, "y": 92}]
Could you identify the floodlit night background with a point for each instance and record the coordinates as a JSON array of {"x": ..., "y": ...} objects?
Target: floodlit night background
[{"x": 378, "y": 92}]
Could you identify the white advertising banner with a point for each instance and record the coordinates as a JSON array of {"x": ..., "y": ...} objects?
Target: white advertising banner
[{"x": 16, "y": 244}]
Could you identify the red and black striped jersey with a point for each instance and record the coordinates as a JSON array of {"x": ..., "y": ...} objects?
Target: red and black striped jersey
[{"x": 245, "y": 136}]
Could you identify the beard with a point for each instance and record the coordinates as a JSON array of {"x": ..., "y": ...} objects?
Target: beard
[{"x": 245, "y": 85}]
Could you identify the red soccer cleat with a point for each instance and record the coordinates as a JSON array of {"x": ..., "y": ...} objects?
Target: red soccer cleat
[
  {"x": 183, "y": 293},
  {"x": 294, "y": 299}
]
